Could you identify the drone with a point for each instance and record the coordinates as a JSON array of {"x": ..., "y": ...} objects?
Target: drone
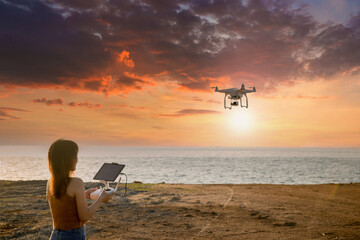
[{"x": 235, "y": 94}]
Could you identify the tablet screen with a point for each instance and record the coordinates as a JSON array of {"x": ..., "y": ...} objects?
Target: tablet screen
[{"x": 109, "y": 172}]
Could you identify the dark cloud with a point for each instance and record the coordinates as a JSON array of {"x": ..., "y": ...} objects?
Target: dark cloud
[
  {"x": 85, "y": 104},
  {"x": 49, "y": 102},
  {"x": 197, "y": 99},
  {"x": 158, "y": 128},
  {"x": 338, "y": 49},
  {"x": 127, "y": 114},
  {"x": 213, "y": 101},
  {"x": 189, "y": 112},
  {"x": 270, "y": 97},
  {"x": 138, "y": 108},
  {"x": 312, "y": 97},
  {"x": 60, "y": 101},
  {"x": 39, "y": 47},
  {"x": 128, "y": 106},
  {"x": 5, "y": 113},
  {"x": 107, "y": 46}
]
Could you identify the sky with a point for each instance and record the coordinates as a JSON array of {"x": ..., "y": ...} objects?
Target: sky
[{"x": 140, "y": 72}]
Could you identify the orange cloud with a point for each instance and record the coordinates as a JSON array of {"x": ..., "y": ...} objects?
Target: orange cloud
[
  {"x": 103, "y": 21},
  {"x": 124, "y": 57},
  {"x": 4, "y": 95},
  {"x": 108, "y": 84},
  {"x": 144, "y": 78},
  {"x": 202, "y": 84},
  {"x": 155, "y": 52}
]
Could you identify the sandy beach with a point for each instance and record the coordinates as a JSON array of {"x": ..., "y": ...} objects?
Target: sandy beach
[{"x": 180, "y": 211}]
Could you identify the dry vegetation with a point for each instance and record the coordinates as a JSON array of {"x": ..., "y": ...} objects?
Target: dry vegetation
[{"x": 167, "y": 211}]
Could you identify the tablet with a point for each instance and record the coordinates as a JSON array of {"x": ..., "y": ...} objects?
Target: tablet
[{"x": 109, "y": 172}]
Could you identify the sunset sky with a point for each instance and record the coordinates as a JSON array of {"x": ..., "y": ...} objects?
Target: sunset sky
[{"x": 140, "y": 72}]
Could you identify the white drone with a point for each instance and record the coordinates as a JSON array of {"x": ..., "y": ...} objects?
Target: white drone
[{"x": 235, "y": 94}]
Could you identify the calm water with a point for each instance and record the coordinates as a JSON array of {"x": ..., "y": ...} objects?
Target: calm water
[{"x": 197, "y": 165}]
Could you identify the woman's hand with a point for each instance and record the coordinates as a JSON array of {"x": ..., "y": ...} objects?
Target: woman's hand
[
  {"x": 87, "y": 192},
  {"x": 105, "y": 197}
]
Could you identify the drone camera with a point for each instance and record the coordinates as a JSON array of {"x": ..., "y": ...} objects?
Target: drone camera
[{"x": 234, "y": 104}]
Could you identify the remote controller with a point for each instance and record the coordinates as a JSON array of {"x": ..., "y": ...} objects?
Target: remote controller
[
  {"x": 109, "y": 190},
  {"x": 107, "y": 174},
  {"x": 96, "y": 194}
]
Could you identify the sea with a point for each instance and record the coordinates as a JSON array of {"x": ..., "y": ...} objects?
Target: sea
[{"x": 196, "y": 165}]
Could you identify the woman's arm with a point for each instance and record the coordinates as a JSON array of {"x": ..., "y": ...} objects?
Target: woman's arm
[
  {"x": 85, "y": 212},
  {"x": 89, "y": 191}
]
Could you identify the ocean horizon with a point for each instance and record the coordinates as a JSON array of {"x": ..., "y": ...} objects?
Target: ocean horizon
[{"x": 196, "y": 165}]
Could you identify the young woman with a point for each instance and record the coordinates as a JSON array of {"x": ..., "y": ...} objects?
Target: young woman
[{"x": 66, "y": 194}]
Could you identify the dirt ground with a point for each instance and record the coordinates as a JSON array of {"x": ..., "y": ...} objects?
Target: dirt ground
[{"x": 180, "y": 211}]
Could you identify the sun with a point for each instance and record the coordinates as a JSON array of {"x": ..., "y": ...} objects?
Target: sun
[{"x": 241, "y": 120}]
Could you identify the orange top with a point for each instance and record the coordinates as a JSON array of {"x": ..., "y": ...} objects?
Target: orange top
[{"x": 64, "y": 212}]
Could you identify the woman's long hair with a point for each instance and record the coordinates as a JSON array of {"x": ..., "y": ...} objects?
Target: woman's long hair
[{"x": 61, "y": 156}]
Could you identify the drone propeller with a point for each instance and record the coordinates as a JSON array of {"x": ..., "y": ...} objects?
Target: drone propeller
[
  {"x": 216, "y": 88},
  {"x": 251, "y": 88}
]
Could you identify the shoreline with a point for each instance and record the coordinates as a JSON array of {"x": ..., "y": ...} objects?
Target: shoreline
[
  {"x": 169, "y": 183},
  {"x": 195, "y": 211}
]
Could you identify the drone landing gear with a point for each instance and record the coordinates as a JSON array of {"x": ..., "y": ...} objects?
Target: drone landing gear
[
  {"x": 246, "y": 102},
  {"x": 232, "y": 103},
  {"x": 235, "y": 102}
]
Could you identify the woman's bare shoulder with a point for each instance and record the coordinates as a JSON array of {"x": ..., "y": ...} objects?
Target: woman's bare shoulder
[
  {"x": 75, "y": 185},
  {"x": 76, "y": 182}
]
